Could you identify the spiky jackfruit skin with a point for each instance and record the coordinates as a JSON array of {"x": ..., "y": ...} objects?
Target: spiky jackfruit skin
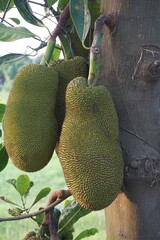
[
  {"x": 67, "y": 70},
  {"x": 30, "y": 126},
  {"x": 89, "y": 149}
]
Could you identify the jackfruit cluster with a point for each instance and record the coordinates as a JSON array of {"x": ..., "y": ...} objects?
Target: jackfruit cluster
[
  {"x": 30, "y": 126},
  {"x": 89, "y": 149},
  {"x": 67, "y": 69}
]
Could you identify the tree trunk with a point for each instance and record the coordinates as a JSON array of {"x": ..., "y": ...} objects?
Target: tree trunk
[{"x": 131, "y": 71}]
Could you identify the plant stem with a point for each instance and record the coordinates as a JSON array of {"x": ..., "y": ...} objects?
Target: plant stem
[
  {"x": 94, "y": 68},
  {"x": 94, "y": 60},
  {"x": 40, "y": 4},
  {"x": 62, "y": 196},
  {"x": 48, "y": 53},
  {"x": 6, "y": 9},
  {"x": 65, "y": 40},
  {"x": 66, "y": 43},
  {"x": 58, "y": 31}
]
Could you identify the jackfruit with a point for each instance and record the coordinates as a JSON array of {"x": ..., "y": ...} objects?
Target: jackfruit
[
  {"x": 30, "y": 126},
  {"x": 67, "y": 69},
  {"x": 89, "y": 149}
]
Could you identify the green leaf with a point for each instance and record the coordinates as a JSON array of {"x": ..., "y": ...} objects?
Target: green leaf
[
  {"x": 0, "y": 133},
  {"x": 86, "y": 233},
  {"x": 11, "y": 57},
  {"x": 81, "y": 17},
  {"x": 3, "y": 158},
  {"x": 43, "y": 193},
  {"x": 12, "y": 182},
  {"x": 7, "y": 200},
  {"x": 22, "y": 184},
  {"x": 51, "y": 2},
  {"x": 15, "y": 20},
  {"x": 9, "y": 34},
  {"x": 56, "y": 216},
  {"x": 2, "y": 110},
  {"x": 3, "y": 4},
  {"x": 26, "y": 12},
  {"x": 31, "y": 184},
  {"x": 67, "y": 202},
  {"x": 62, "y": 4},
  {"x": 71, "y": 214},
  {"x": 94, "y": 7},
  {"x": 39, "y": 218}
]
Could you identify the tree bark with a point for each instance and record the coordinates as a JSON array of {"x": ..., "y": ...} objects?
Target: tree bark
[{"x": 130, "y": 69}]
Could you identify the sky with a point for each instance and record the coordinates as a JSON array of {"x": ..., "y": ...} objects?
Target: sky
[{"x": 21, "y": 46}]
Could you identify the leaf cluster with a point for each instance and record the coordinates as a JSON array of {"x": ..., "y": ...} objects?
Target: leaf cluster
[
  {"x": 64, "y": 217},
  {"x": 81, "y": 13}
]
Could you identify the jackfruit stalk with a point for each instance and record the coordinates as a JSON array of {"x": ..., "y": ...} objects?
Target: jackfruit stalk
[
  {"x": 89, "y": 149},
  {"x": 30, "y": 126}
]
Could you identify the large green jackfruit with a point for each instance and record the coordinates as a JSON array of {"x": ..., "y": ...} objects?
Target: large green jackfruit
[
  {"x": 67, "y": 70},
  {"x": 30, "y": 126},
  {"x": 89, "y": 149}
]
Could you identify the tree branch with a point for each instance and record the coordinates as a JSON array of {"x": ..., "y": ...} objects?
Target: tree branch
[
  {"x": 6, "y": 9},
  {"x": 63, "y": 194},
  {"x": 48, "y": 221},
  {"x": 61, "y": 23},
  {"x": 40, "y": 4},
  {"x": 59, "y": 30}
]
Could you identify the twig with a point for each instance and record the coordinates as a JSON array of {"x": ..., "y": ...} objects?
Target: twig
[
  {"x": 40, "y": 4},
  {"x": 59, "y": 30},
  {"x": 55, "y": 203},
  {"x": 61, "y": 23},
  {"x": 7, "y": 22},
  {"x": 6, "y": 9},
  {"x": 55, "y": 13},
  {"x": 48, "y": 221}
]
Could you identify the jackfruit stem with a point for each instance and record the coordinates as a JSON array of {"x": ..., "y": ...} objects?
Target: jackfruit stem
[
  {"x": 95, "y": 52},
  {"x": 48, "y": 53},
  {"x": 94, "y": 68},
  {"x": 94, "y": 62},
  {"x": 58, "y": 31}
]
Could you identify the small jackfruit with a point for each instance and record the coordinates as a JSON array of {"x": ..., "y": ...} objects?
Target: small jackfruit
[
  {"x": 67, "y": 70},
  {"x": 89, "y": 149},
  {"x": 30, "y": 126}
]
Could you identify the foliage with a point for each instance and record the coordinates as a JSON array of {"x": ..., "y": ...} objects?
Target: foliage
[{"x": 64, "y": 218}]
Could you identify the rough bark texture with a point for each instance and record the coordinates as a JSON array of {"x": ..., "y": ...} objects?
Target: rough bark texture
[{"x": 131, "y": 71}]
